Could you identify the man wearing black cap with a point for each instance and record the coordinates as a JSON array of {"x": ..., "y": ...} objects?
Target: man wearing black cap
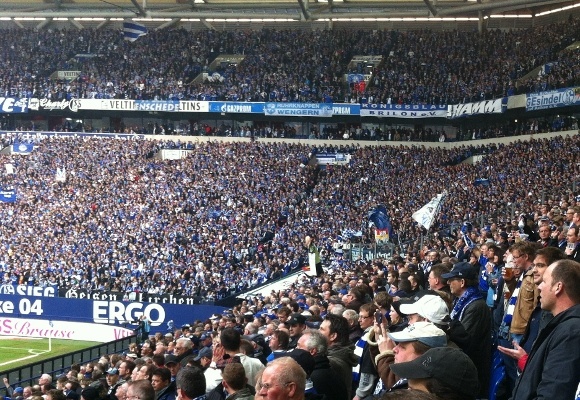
[
  {"x": 444, "y": 371},
  {"x": 296, "y": 325},
  {"x": 173, "y": 365},
  {"x": 470, "y": 326}
]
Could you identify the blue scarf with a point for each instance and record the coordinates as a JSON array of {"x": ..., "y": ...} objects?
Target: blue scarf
[
  {"x": 509, "y": 313},
  {"x": 469, "y": 296},
  {"x": 358, "y": 351}
]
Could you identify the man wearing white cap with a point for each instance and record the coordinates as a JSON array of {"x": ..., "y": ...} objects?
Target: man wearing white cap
[
  {"x": 431, "y": 308},
  {"x": 404, "y": 346}
]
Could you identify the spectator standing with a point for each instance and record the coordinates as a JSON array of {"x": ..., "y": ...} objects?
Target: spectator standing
[
  {"x": 470, "y": 326},
  {"x": 543, "y": 375},
  {"x": 323, "y": 376}
]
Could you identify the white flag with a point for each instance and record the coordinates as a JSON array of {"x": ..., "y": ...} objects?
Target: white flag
[
  {"x": 428, "y": 213},
  {"x": 60, "y": 175},
  {"x": 9, "y": 168}
]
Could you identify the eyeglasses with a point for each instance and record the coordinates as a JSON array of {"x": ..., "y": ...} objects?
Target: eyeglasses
[
  {"x": 363, "y": 317},
  {"x": 514, "y": 256},
  {"x": 268, "y": 386}
]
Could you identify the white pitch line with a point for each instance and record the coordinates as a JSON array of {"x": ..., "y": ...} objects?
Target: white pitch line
[{"x": 24, "y": 358}]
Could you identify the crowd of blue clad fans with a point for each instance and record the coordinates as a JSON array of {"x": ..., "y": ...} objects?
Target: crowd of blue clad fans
[
  {"x": 232, "y": 215},
  {"x": 417, "y": 67}
]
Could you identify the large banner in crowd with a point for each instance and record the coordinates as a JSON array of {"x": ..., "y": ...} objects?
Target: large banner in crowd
[
  {"x": 298, "y": 109},
  {"x": 496, "y": 106},
  {"x": 403, "y": 110},
  {"x": 13, "y": 105},
  {"x": 553, "y": 99},
  {"x": 534, "y": 101}
]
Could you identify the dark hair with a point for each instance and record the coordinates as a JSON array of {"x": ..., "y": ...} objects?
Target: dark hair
[
  {"x": 247, "y": 347},
  {"x": 56, "y": 394},
  {"x": 158, "y": 359},
  {"x": 383, "y": 300},
  {"x": 493, "y": 247},
  {"x": 283, "y": 338},
  {"x": 163, "y": 373},
  {"x": 405, "y": 285},
  {"x": 358, "y": 293},
  {"x": 471, "y": 282},
  {"x": 149, "y": 370},
  {"x": 409, "y": 394},
  {"x": 191, "y": 381},
  {"x": 419, "y": 347},
  {"x": 235, "y": 376},
  {"x": 440, "y": 269},
  {"x": 551, "y": 254},
  {"x": 129, "y": 364},
  {"x": 230, "y": 339},
  {"x": 284, "y": 310},
  {"x": 443, "y": 391}
]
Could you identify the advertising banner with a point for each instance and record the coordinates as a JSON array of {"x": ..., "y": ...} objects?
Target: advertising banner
[
  {"x": 57, "y": 329},
  {"x": 232, "y": 107},
  {"x": 104, "y": 311},
  {"x": 298, "y": 109},
  {"x": 76, "y": 105},
  {"x": 345, "y": 109}
]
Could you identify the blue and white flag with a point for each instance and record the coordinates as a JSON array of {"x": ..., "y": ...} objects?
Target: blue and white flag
[
  {"x": 133, "y": 30},
  {"x": 22, "y": 148},
  {"x": 8, "y": 196},
  {"x": 428, "y": 213}
]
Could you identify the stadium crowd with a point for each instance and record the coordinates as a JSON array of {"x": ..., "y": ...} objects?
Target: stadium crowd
[
  {"x": 418, "y": 67},
  {"x": 231, "y": 216},
  {"x": 373, "y": 331}
]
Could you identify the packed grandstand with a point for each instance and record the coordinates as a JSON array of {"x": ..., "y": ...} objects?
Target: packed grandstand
[
  {"x": 417, "y": 67},
  {"x": 109, "y": 215},
  {"x": 123, "y": 220}
]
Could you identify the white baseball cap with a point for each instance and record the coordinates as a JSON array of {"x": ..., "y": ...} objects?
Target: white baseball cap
[{"x": 431, "y": 307}]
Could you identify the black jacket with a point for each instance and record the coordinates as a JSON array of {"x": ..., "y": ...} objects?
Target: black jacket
[
  {"x": 325, "y": 381},
  {"x": 473, "y": 335},
  {"x": 553, "y": 367}
]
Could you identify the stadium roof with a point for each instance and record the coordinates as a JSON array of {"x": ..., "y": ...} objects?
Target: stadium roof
[{"x": 294, "y": 10}]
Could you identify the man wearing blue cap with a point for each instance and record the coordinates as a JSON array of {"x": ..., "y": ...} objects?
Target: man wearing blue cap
[
  {"x": 112, "y": 376},
  {"x": 470, "y": 326}
]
